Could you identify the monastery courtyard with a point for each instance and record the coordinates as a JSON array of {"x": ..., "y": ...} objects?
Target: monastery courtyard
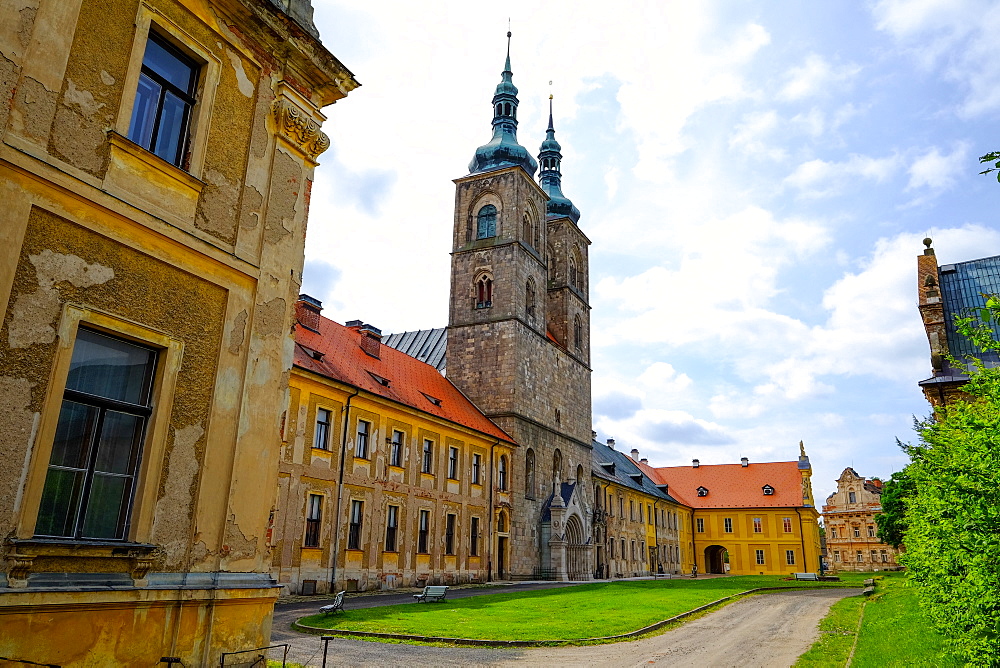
[{"x": 764, "y": 630}]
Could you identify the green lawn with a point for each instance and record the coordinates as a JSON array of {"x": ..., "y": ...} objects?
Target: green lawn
[
  {"x": 570, "y": 613},
  {"x": 893, "y": 632}
]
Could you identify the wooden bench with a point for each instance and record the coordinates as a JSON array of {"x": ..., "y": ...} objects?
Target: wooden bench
[
  {"x": 432, "y": 593},
  {"x": 868, "y": 591},
  {"x": 806, "y": 576},
  {"x": 870, "y": 582},
  {"x": 338, "y": 604}
]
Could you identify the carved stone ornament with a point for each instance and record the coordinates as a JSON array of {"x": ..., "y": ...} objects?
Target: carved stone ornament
[
  {"x": 140, "y": 567},
  {"x": 300, "y": 130},
  {"x": 18, "y": 570}
]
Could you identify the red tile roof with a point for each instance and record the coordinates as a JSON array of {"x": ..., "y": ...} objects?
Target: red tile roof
[
  {"x": 411, "y": 382},
  {"x": 731, "y": 485}
]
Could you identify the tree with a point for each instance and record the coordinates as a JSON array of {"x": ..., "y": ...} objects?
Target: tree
[
  {"x": 892, "y": 520},
  {"x": 953, "y": 511},
  {"x": 993, "y": 156}
]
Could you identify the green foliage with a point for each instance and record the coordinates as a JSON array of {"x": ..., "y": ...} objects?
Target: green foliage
[
  {"x": 953, "y": 541},
  {"x": 892, "y": 520},
  {"x": 991, "y": 157}
]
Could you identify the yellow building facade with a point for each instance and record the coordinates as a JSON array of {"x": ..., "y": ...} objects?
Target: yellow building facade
[
  {"x": 389, "y": 476},
  {"x": 747, "y": 518},
  {"x": 155, "y": 163}
]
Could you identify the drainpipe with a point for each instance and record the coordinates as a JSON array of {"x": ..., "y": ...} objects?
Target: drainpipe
[
  {"x": 489, "y": 521},
  {"x": 802, "y": 537},
  {"x": 340, "y": 493}
]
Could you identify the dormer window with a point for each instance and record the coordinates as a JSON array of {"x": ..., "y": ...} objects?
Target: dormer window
[
  {"x": 768, "y": 490},
  {"x": 384, "y": 382},
  {"x": 433, "y": 400},
  {"x": 702, "y": 491}
]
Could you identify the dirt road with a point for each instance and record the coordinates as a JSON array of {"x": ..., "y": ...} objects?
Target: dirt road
[{"x": 765, "y": 630}]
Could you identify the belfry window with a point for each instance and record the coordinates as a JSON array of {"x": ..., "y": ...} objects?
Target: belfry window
[
  {"x": 486, "y": 222},
  {"x": 529, "y": 300},
  {"x": 484, "y": 292},
  {"x": 572, "y": 273},
  {"x": 578, "y": 333}
]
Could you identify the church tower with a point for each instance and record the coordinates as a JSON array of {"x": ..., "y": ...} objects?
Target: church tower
[{"x": 518, "y": 299}]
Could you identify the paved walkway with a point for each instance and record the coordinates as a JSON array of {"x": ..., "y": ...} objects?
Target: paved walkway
[{"x": 765, "y": 630}]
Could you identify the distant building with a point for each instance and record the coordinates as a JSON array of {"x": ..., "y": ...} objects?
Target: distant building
[
  {"x": 944, "y": 292},
  {"x": 748, "y": 518},
  {"x": 389, "y": 476},
  {"x": 851, "y": 533},
  {"x": 155, "y": 165},
  {"x": 639, "y": 529}
]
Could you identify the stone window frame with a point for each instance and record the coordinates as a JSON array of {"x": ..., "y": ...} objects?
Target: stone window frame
[
  {"x": 318, "y": 531},
  {"x": 170, "y": 351},
  {"x": 325, "y": 445},
  {"x": 210, "y": 75}
]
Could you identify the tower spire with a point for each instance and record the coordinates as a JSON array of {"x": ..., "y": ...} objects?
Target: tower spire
[
  {"x": 503, "y": 150},
  {"x": 550, "y": 175}
]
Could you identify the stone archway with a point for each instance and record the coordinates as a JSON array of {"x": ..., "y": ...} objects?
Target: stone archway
[
  {"x": 577, "y": 555},
  {"x": 716, "y": 557}
]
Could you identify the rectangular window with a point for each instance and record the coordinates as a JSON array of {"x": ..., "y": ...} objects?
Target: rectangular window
[
  {"x": 788, "y": 524},
  {"x": 97, "y": 449},
  {"x": 871, "y": 531},
  {"x": 861, "y": 556},
  {"x": 354, "y": 529},
  {"x": 623, "y": 553},
  {"x": 857, "y": 532},
  {"x": 361, "y": 447},
  {"x": 833, "y": 532},
  {"x": 611, "y": 507},
  {"x": 852, "y": 497},
  {"x": 314, "y": 513},
  {"x": 631, "y": 510},
  {"x": 164, "y": 98},
  {"x": 633, "y": 550},
  {"x": 836, "y": 555},
  {"x": 611, "y": 549},
  {"x": 885, "y": 557},
  {"x": 474, "y": 537},
  {"x": 700, "y": 523},
  {"x": 621, "y": 507},
  {"x": 321, "y": 439},
  {"x": 428, "y": 460},
  {"x": 649, "y": 514},
  {"x": 449, "y": 535},
  {"x": 396, "y": 450},
  {"x": 391, "y": 524},
  {"x": 477, "y": 465},
  {"x": 425, "y": 518},
  {"x": 760, "y": 557},
  {"x": 453, "y": 463},
  {"x": 727, "y": 524},
  {"x": 757, "y": 526}
]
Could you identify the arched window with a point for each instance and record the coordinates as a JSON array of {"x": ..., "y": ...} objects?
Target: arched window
[
  {"x": 579, "y": 474},
  {"x": 502, "y": 522},
  {"x": 577, "y": 270},
  {"x": 529, "y": 474},
  {"x": 486, "y": 222},
  {"x": 529, "y": 299},
  {"x": 572, "y": 272},
  {"x": 502, "y": 473},
  {"x": 578, "y": 332},
  {"x": 557, "y": 466},
  {"x": 484, "y": 292},
  {"x": 526, "y": 229}
]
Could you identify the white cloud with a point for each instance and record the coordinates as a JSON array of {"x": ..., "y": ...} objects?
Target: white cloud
[
  {"x": 936, "y": 171},
  {"x": 750, "y": 136},
  {"x": 813, "y": 77},
  {"x": 819, "y": 178}
]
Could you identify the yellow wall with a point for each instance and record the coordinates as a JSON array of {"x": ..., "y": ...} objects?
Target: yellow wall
[
  {"x": 636, "y": 527},
  {"x": 743, "y": 542},
  {"x": 307, "y": 470}
]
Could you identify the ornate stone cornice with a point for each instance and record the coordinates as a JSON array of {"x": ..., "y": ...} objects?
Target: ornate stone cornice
[{"x": 296, "y": 127}]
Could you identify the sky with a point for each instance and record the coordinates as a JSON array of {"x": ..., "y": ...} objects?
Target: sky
[{"x": 756, "y": 179}]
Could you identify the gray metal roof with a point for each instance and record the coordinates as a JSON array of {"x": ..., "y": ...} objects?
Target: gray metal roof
[
  {"x": 615, "y": 466},
  {"x": 427, "y": 345}
]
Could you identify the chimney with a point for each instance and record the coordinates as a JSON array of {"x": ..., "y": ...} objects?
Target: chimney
[
  {"x": 611, "y": 443},
  {"x": 695, "y": 463},
  {"x": 744, "y": 462},
  {"x": 307, "y": 310},
  {"x": 644, "y": 460},
  {"x": 635, "y": 454},
  {"x": 371, "y": 340}
]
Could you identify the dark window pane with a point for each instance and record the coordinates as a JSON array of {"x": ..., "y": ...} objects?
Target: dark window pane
[
  {"x": 110, "y": 368},
  {"x": 120, "y": 436},
  {"x": 60, "y": 501},
  {"x": 169, "y": 137},
  {"x": 169, "y": 65},
  {"x": 106, "y": 507},
  {"x": 71, "y": 447},
  {"x": 147, "y": 96}
]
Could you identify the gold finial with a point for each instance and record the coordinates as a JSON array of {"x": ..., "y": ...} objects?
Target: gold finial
[{"x": 802, "y": 449}]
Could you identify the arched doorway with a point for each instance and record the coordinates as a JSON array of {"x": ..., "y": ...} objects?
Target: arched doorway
[
  {"x": 716, "y": 558},
  {"x": 502, "y": 549},
  {"x": 577, "y": 562}
]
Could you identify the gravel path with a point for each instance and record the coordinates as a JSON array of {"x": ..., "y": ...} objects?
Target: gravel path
[{"x": 765, "y": 630}]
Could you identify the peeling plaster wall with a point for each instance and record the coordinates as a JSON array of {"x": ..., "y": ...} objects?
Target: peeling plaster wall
[{"x": 64, "y": 262}]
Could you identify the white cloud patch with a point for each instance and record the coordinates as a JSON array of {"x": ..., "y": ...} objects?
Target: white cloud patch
[
  {"x": 938, "y": 171},
  {"x": 751, "y": 136},
  {"x": 819, "y": 178},
  {"x": 814, "y": 77}
]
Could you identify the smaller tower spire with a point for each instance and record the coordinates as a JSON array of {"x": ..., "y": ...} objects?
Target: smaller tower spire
[
  {"x": 550, "y": 175},
  {"x": 506, "y": 68}
]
